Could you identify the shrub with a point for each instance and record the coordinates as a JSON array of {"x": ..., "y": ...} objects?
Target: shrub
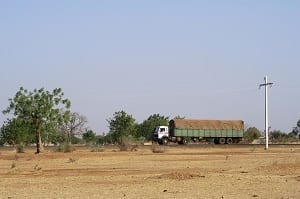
[
  {"x": 128, "y": 144},
  {"x": 123, "y": 147},
  {"x": 20, "y": 148},
  {"x": 251, "y": 134},
  {"x": 65, "y": 147},
  {"x": 158, "y": 149},
  {"x": 97, "y": 149},
  {"x": 128, "y": 147}
]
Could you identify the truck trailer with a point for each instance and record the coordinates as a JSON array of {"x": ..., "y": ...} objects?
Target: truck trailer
[{"x": 182, "y": 131}]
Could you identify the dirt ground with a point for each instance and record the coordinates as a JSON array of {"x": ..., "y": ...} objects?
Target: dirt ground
[{"x": 177, "y": 172}]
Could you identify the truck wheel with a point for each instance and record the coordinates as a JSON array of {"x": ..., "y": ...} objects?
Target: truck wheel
[
  {"x": 185, "y": 141},
  {"x": 222, "y": 140},
  {"x": 196, "y": 140},
  {"x": 216, "y": 141},
  {"x": 229, "y": 141},
  {"x": 165, "y": 141}
]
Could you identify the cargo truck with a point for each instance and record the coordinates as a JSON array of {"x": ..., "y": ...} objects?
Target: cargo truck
[{"x": 182, "y": 131}]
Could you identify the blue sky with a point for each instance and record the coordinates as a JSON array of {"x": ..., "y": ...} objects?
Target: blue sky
[{"x": 198, "y": 59}]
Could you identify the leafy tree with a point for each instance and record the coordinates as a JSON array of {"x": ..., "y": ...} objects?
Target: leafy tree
[
  {"x": 145, "y": 129},
  {"x": 89, "y": 136},
  {"x": 108, "y": 138},
  {"x": 251, "y": 134},
  {"x": 292, "y": 135},
  {"x": 296, "y": 130},
  {"x": 76, "y": 140},
  {"x": 121, "y": 126},
  {"x": 41, "y": 109},
  {"x": 101, "y": 139},
  {"x": 278, "y": 136},
  {"x": 16, "y": 131},
  {"x": 56, "y": 136}
]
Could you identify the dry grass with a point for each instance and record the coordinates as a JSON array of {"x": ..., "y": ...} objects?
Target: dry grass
[
  {"x": 128, "y": 147},
  {"x": 180, "y": 176},
  {"x": 152, "y": 172}
]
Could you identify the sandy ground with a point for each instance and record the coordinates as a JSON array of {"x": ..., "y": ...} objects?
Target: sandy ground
[{"x": 178, "y": 172}]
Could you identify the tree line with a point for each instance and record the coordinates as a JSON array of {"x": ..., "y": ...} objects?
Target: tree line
[
  {"x": 275, "y": 136},
  {"x": 42, "y": 117}
]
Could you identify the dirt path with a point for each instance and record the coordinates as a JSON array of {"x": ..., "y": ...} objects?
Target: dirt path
[{"x": 249, "y": 172}]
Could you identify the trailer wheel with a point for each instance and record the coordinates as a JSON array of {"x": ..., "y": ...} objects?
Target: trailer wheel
[
  {"x": 185, "y": 141},
  {"x": 165, "y": 141},
  {"x": 196, "y": 140},
  {"x": 216, "y": 141},
  {"x": 222, "y": 140},
  {"x": 229, "y": 141}
]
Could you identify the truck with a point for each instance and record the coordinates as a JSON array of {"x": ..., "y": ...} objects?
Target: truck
[{"x": 183, "y": 131}]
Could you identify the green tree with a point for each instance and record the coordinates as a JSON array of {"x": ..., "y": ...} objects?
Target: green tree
[
  {"x": 16, "y": 131},
  {"x": 54, "y": 136},
  {"x": 101, "y": 139},
  {"x": 121, "y": 126},
  {"x": 251, "y": 134},
  {"x": 278, "y": 136},
  {"x": 41, "y": 109},
  {"x": 296, "y": 130},
  {"x": 89, "y": 136},
  {"x": 145, "y": 129}
]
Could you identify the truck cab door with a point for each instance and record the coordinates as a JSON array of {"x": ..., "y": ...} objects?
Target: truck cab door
[{"x": 163, "y": 131}]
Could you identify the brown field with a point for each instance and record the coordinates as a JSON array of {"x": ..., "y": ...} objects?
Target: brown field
[{"x": 178, "y": 172}]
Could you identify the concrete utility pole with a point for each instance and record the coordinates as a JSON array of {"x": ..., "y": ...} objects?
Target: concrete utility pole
[{"x": 266, "y": 84}]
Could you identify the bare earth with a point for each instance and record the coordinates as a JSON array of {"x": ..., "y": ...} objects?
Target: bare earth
[{"x": 179, "y": 172}]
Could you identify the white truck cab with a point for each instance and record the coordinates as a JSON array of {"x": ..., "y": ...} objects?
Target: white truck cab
[{"x": 161, "y": 134}]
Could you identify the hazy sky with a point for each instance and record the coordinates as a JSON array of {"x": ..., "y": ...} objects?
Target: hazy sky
[{"x": 198, "y": 59}]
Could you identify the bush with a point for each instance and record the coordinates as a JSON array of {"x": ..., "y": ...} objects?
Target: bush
[
  {"x": 65, "y": 147},
  {"x": 123, "y": 147},
  {"x": 76, "y": 140},
  {"x": 277, "y": 136},
  {"x": 97, "y": 148},
  {"x": 158, "y": 149},
  {"x": 128, "y": 147},
  {"x": 128, "y": 144},
  {"x": 20, "y": 148},
  {"x": 251, "y": 134}
]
